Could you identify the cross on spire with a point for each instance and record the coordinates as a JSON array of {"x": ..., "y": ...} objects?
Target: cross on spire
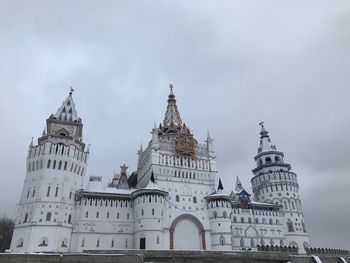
[{"x": 71, "y": 90}]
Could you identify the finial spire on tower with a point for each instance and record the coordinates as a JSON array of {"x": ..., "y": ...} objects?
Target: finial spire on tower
[
  {"x": 67, "y": 110},
  {"x": 265, "y": 141},
  {"x": 220, "y": 186},
  {"x": 239, "y": 186},
  {"x": 172, "y": 121}
]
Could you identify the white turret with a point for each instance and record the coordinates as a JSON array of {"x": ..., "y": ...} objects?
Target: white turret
[
  {"x": 273, "y": 182},
  {"x": 55, "y": 170},
  {"x": 149, "y": 210}
]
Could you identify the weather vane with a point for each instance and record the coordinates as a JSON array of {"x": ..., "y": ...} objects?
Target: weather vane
[
  {"x": 71, "y": 90},
  {"x": 262, "y": 124}
]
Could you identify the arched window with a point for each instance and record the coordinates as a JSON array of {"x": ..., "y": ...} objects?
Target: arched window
[
  {"x": 158, "y": 241},
  {"x": 268, "y": 160},
  {"x": 277, "y": 222},
  {"x": 69, "y": 219},
  {"x": 25, "y": 218},
  {"x": 256, "y": 220},
  {"x": 20, "y": 243},
  {"x": 152, "y": 211},
  {"x": 112, "y": 243},
  {"x": 264, "y": 221},
  {"x": 56, "y": 192},
  {"x": 262, "y": 242},
  {"x": 242, "y": 219},
  {"x": 234, "y": 219},
  {"x": 195, "y": 199},
  {"x": 142, "y": 212},
  {"x": 222, "y": 240},
  {"x": 270, "y": 221},
  {"x": 249, "y": 220},
  {"x": 252, "y": 242},
  {"x": 177, "y": 198},
  {"x": 97, "y": 214},
  {"x": 83, "y": 242},
  {"x": 44, "y": 242},
  {"x": 277, "y": 159},
  {"x": 98, "y": 243},
  {"x": 64, "y": 243},
  {"x": 48, "y": 164},
  {"x": 242, "y": 242},
  {"x": 215, "y": 214},
  {"x": 224, "y": 215},
  {"x": 48, "y": 216}
]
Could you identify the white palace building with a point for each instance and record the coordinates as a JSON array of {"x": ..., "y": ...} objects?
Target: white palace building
[{"x": 172, "y": 201}]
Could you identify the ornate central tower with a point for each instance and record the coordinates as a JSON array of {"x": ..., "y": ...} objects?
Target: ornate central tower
[
  {"x": 56, "y": 167},
  {"x": 185, "y": 169},
  {"x": 274, "y": 182}
]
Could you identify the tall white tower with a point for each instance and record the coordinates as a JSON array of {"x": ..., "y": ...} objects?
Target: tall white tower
[
  {"x": 56, "y": 167},
  {"x": 274, "y": 182}
]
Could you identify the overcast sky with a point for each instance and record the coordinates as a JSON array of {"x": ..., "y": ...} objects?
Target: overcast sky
[{"x": 232, "y": 64}]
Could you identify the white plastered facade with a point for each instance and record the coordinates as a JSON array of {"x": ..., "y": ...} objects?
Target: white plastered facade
[{"x": 171, "y": 202}]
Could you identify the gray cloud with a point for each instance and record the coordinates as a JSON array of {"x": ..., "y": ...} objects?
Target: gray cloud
[{"x": 232, "y": 65}]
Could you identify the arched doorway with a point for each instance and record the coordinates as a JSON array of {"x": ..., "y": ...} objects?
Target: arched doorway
[{"x": 187, "y": 233}]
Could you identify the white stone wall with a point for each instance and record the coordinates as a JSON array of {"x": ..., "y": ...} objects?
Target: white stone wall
[{"x": 54, "y": 174}]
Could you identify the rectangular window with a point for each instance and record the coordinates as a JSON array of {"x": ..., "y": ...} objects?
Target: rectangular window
[
  {"x": 33, "y": 193},
  {"x": 59, "y": 165},
  {"x": 48, "y": 191},
  {"x": 290, "y": 227},
  {"x": 70, "y": 195},
  {"x": 54, "y": 164},
  {"x": 48, "y": 164},
  {"x": 56, "y": 192},
  {"x": 65, "y": 165},
  {"x": 28, "y": 193}
]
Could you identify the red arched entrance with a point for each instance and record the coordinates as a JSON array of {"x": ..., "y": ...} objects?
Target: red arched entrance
[{"x": 195, "y": 221}]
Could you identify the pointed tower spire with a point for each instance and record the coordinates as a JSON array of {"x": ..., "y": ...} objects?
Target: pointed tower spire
[
  {"x": 265, "y": 141},
  {"x": 239, "y": 186},
  {"x": 172, "y": 121},
  {"x": 220, "y": 186},
  {"x": 67, "y": 110}
]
